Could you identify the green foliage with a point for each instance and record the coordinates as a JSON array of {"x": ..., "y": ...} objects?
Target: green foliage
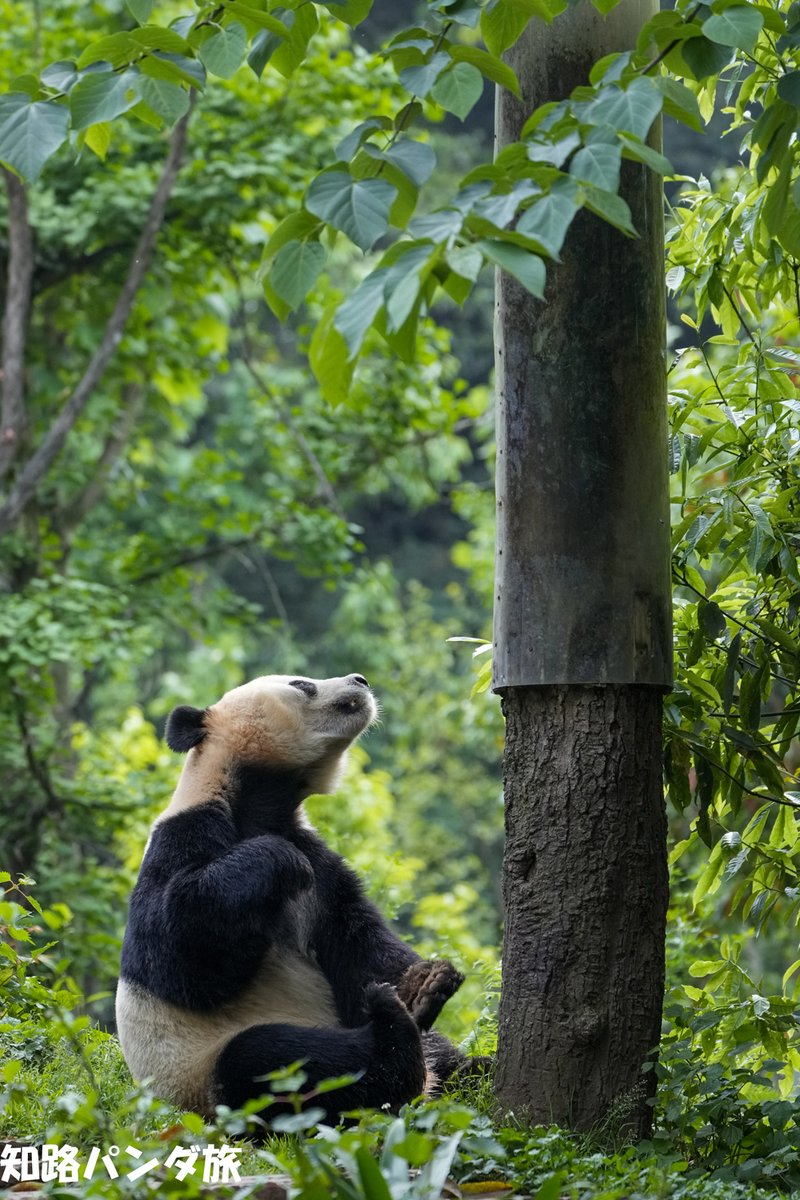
[
  {"x": 375, "y": 187},
  {"x": 231, "y": 496},
  {"x": 726, "y": 1068}
]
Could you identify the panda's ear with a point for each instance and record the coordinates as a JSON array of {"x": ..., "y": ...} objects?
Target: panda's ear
[{"x": 186, "y": 727}]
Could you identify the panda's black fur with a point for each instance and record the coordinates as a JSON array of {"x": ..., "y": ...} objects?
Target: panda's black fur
[{"x": 250, "y": 944}]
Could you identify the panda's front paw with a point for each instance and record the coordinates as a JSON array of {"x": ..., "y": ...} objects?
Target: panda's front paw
[{"x": 426, "y": 987}]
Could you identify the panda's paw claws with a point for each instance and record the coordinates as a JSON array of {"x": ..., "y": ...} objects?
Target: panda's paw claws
[
  {"x": 426, "y": 987},
  {"x": 384, "y": 1003}
]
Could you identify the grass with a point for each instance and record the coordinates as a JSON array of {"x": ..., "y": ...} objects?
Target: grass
[{"x": 68, "y": 1085}]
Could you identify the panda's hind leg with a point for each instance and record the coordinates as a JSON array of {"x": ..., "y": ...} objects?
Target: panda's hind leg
[{"x": 386, "y": 1054}]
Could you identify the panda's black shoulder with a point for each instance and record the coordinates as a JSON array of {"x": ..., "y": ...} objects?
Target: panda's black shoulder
[{"x": 190, "y": 838}]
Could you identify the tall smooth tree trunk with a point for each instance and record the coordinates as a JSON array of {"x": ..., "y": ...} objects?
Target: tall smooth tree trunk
[{"x": 582, "y": 633}]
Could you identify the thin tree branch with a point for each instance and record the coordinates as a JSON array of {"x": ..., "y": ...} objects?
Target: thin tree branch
[
  {"x": 41, "y": 461},
  {"x": 15, "y": 322},
  {"x": 326, "y": 487},
  {"x": 133, "y": 400},
  {"x": 37, "y": 769},
  {"x": 211, "y": 550}
]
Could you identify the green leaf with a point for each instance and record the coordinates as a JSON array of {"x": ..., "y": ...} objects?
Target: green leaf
[
  {"x": 329, "y": 361},
  {"x": 415, "y": 1148},
  {"x": 633, "y": 109},
  {"x": 153, "y": 37},
  {"x": 30, "y": 132},
  {"x": 173, "y": 68},
  {"x": 404, "y": 281},
  {"x": 98, "y": 139},
  {"x": 352, "y": 12},
  {"x": 598, "y": 164},
  {"x": 610, "y": 207},
  {"x": 503, "y": 22},
  {"x": 711, "y": 619},
  {"x": 355, "y": 316},
  {"x": 738, "y": 27},
  {"x": 641, "y": 152},
  {"x": 552, "y": 1188},
  {"x": 372, "y": 1181},
  {"x": 140, "y": 10},
  {"x": 297, "y": 225},
  {"x": 789, "y": 88},
  {"x": 489, "y": 65},
  {"x": 750, "y": 701},
  {"x": 296, "y": 270},
  {"x": 266, "y": 42},
  {"x": 528, "y": 268},
  {"x": 711, "y": 877},
  {"x": 257, "y": 18},
  {"x": 459, "y": 89},
  {"x": 420, "y": 79},
  {"x": 223, "y": 53},
  {"x": 60, "y": 76},
  {"x": 102, "y": 96},
  {"x": 704, "y": 57},
  {"x": 417, "y": 160},
  {"x": 169, "y": 100},
  {"x": 117, "y": 49},
  {"x": 774, "y": 209},
  {"x": 549, "y": 218},
  {"x": 348, "y": 146},
  {"x": 292, "y": 51},
  {"x": 359, "y": 208},
  {"x": 679, "y": 102},
  {"x": 778, "y": 635},
  {"x": 467, "y": 262}
]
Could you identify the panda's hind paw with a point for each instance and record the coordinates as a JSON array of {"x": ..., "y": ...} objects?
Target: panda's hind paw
[{"x": 426, "y": 987}]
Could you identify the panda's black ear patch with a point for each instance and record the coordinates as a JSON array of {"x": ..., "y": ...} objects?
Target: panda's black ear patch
[{"x": 186, "y": 728}]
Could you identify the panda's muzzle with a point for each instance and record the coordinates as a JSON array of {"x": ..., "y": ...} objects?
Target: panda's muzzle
[{"x": 353, "y": 702}]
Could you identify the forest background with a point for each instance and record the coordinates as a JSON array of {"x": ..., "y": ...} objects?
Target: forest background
[{"x": 212, "y": 517}]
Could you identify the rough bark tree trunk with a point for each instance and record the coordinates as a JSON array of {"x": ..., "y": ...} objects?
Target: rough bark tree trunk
[
  {"x": 582, "y": 633},
  {"x": 585, "y": 892}
]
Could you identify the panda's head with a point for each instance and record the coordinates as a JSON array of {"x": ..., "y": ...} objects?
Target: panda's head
[{"x": 283, "y": 724}]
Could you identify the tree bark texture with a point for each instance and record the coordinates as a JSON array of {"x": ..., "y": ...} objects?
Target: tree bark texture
[
  {"x": 13, "y": 418},
  {"x": 583, "y": 642},
  {"x": 37, "y": 466},
  {"x": 585, "y": 892},
  {"x": 583, "y": 570}
]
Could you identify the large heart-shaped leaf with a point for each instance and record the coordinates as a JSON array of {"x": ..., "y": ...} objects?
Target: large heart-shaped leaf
[
  {"x": 358, "y": 207},
  {"x": 30, "y": 132},
  {"x": 296, "y": 269},
  {"x": 102, "y": 97},
  {"x": 223, "y": 53}
]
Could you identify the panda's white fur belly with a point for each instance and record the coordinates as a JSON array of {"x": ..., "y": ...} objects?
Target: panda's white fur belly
[{"x": 176, "y": 1049}]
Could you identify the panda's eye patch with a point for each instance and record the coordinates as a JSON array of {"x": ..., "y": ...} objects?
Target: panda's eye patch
[{"x": 304, "y": 685}]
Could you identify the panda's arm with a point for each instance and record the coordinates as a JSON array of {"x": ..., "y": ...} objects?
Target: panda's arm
[
  {"x": 202, "y": 872},
  {"x": 352, "y": 942}
]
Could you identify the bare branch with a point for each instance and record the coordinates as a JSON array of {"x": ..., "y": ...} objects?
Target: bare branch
[
  {"x": 133, "y": 400},
  {"x": 212, "y": 549},
  {"x": 15, "y": 321},
  {"x": 325, "y": 485},
  {"x": 52, "y": 443}
]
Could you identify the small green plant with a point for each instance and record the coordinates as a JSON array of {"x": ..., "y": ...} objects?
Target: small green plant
[{"x": 726, "y": 1069}]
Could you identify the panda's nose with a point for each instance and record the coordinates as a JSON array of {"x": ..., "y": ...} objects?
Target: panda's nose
[{"x": 359, "y": 679}]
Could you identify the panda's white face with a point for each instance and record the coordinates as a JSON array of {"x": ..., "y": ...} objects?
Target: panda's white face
[
  {"x": 278, "y": 722},
  {"x": 292, "y": 720}
]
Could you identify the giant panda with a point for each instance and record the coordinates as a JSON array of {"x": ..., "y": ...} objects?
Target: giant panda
[{"x": 250, "y": 944}]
